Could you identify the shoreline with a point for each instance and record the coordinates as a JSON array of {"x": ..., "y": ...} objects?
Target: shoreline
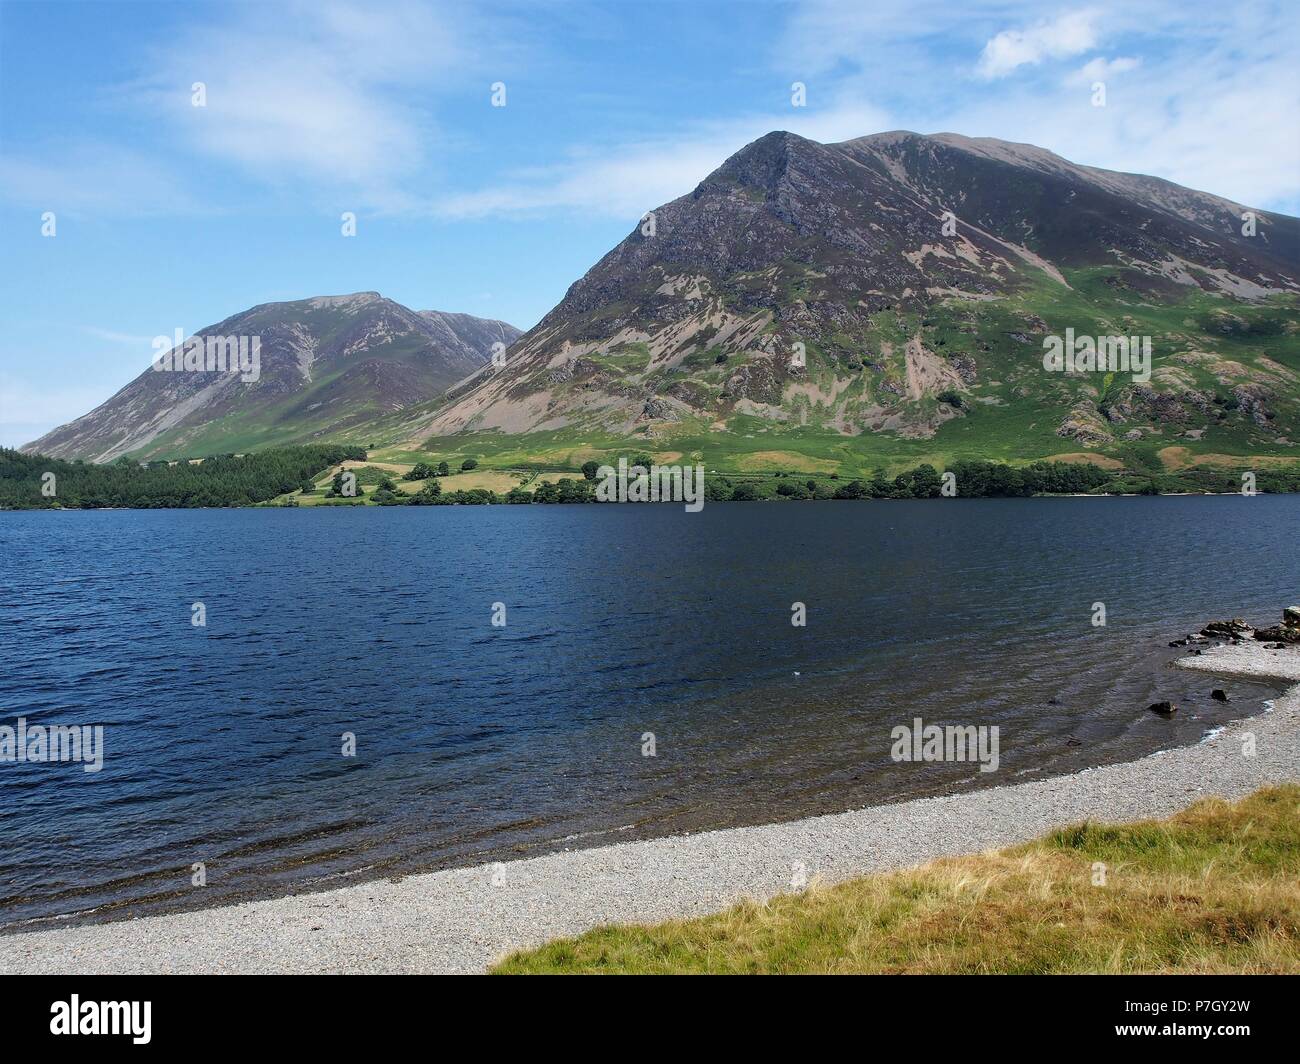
[
  {"x": 365, "y": 501},
  {"x": 463, "y": 919},
  {"x": 1256, "y": 703}
]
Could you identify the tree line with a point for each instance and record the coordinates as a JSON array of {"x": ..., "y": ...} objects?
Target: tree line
[
  {"x": 33, "y": 481},
  {"x": 37, "y": 482}
]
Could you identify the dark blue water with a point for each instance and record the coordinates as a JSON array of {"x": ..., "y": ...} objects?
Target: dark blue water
[{"x": 223, "y": 743}]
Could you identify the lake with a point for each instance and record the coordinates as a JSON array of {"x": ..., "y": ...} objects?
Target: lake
[{"x": 626, "y": 627}]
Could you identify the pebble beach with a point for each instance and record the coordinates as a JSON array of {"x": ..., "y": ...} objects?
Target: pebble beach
[{"x": 462, "y": 920}]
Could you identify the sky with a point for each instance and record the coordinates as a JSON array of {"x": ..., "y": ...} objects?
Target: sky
[{"x": 170, "y": 215}]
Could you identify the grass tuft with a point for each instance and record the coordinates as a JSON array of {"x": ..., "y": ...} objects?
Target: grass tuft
[{"x": 1214, "y": 889}]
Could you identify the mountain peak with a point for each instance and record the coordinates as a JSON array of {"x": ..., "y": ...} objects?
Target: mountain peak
[
  {"x": 326, "y": 365},
  {"x": 916, "y": 273},
  {"x": 352, "y": 301},
  {"x": 764, "y": 162}
]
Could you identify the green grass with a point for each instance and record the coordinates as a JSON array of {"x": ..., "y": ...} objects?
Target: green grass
[
  {"x": 1213, "y": 889},
  {"x": 1010, "y": 413}
]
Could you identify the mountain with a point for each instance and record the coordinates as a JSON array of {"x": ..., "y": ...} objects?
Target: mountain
[
  {"x": 824, "y": 307},
  {"x": 327, "y": 366},
  {"x": 918, "y": 338}
]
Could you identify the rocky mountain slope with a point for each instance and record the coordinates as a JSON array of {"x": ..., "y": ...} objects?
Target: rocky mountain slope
[
  {"x": 326, "y": 367},
  {"x": 898, "y": 287}
]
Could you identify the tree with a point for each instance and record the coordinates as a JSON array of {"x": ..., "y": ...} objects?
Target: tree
[
  {"x": 589, "y": 470},
  {"x": 419, "y": 471},
  {"x": 337, "y": 488},
  {"x": 926, "y": 482},
  {"x": 468, "y": 464},
  {"x": 575, "y": 490},
  {"x": 223, "y": 480},
  {"x": 427, "y": 495},
  {"x": 717, "y": 489},
  {"x": 443, "y": 469}
]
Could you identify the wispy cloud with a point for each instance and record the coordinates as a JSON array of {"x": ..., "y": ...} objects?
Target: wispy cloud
[
  {"x": 1100, "y": 69},
  {"x": 334, "y": 96},
  {"x": 82, "y": 176},
  {"x": 1201, "y": 94},
  {"x": 117, "y": 337},
  {"x": 626, "y": 180},
  {"x": 331, "y": 100},
  {"x": 348, "y": 104}
]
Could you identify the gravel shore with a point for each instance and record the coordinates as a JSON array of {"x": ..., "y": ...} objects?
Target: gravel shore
[{"x": 461, "y": 920}]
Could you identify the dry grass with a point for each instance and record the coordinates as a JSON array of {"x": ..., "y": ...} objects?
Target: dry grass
[
  {"x": 766, "y": 461},
  {"x": 1176, "y": 459},
  {"x": 480, "y": 478},
  {"x": 1214, "y": 889},
  {"x": 475, "y": 478},
  {"x": 1088, "y": 458}
]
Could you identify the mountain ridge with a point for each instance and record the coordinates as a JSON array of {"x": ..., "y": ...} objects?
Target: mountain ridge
[
  {"x": 326, "y": 363},
  {"x": 852, "y": 304},
  {"x": 840, "y": 248}
]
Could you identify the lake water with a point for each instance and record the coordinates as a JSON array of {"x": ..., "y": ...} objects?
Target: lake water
[{"x": 223, "y": 744}]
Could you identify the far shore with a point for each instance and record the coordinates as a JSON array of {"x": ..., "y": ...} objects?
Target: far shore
[
  {"x": 363, "y": 503},
  {"x": 462, "y": 920}
]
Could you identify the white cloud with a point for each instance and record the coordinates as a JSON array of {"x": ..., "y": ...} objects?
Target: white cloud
[
  {"x": 626, "y": 180},
  {"x": 1217, "y": 127},
  {"x": 1069, "y": 34},
  {"x": 1100, "y": 69},
  {"x": 1207, "y": 98},
  {"x": 55, "y": 176},
  {"x": 331, "y": 99},
  {"x": 117, "y": 337},
  {"x": 337, "y": 104},
  {"x": 304, "y": 99}
]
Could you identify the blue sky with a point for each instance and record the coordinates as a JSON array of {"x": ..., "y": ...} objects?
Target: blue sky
[{"x": 174, "y": 216}]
